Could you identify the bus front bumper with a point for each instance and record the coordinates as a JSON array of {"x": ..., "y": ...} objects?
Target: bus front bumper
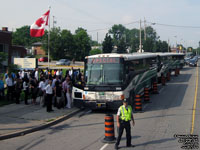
[{"x": 100, "y": 104}]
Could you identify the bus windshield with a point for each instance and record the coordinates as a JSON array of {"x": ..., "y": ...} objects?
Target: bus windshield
[{"x": 104, "y": 73}]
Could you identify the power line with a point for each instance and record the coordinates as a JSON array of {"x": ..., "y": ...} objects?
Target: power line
[
  {"x": 109, "y": 27},
  {"x": 170, "y": 25}
]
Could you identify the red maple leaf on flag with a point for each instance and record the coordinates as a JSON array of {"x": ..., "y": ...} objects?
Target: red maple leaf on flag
[{"x": 39, "y": 22}]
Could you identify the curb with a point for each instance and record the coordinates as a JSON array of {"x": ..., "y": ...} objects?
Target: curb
[{"x": 39, "y": 127}]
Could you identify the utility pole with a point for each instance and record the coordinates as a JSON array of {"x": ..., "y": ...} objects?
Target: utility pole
[
  {"x": 145, "y": 35},
  {"x": 140, "y": 48}
]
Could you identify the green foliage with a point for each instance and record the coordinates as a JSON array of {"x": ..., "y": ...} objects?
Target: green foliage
[
  {"x": 94, "y": 43},
  {"x": 22, "y": 37},
  {"x": 13, "y": 68},
  {"x": 161, "y": 46},
  {"x": 121, "y": 47},
  {"x": 107, "y": 44},
  {"x": 129, "y": 38},
  {"x": 95, "y": 51},
  {"x": 62, "y": 44},
  {"x": 83, "y": 46},
  {"x": 3, "y": 57},
  {"x": 118, "y": 31}
]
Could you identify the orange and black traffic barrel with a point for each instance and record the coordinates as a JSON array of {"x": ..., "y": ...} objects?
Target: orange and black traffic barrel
[
  {"x": 168, "y": 76},
  {"x": 155, "y": 88},
  {"x": 109, "y": 129},
  {"x": 146, "y": 95},
  {"x": 138, "y": 103}
]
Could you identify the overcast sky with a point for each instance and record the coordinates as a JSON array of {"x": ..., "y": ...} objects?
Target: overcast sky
[{"x": 102, "y": 14}]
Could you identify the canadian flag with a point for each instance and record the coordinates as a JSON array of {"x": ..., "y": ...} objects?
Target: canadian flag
[{"x": 37, "y": 28}]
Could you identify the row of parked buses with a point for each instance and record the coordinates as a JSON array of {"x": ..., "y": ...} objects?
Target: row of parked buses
[{"x": 109, "y": 78}]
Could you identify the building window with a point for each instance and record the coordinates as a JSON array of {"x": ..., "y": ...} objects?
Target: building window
[{"x": 6, "y": 47}]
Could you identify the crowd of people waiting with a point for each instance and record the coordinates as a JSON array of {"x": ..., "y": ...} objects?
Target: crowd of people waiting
[{"x": 51, "y": 86}]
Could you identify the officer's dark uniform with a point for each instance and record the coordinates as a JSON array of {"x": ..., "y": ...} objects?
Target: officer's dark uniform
[{"x": 124, "y": 117}]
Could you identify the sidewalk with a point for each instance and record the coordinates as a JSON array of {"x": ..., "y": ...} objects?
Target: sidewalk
[{"x": 17, "y": 118}]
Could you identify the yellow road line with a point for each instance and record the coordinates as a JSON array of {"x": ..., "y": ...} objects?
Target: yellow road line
[{"x": 195, "y": 102}]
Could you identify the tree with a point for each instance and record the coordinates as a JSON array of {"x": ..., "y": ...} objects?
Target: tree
[
  {"x": 95, "y": 51},
  {"x": 133, "y": 35},
  {"x": 107, "y": 44},
  {"x": 94, "y": 43},
  {"x": 121, "y": 47},
  {"x": 68, "y": 44},
  {"x": 62, "y": 44},
  {"x": 83, "y": 46},
  {"x": 149, "y": 45},
  {"x": 118, "y": 32},
  {"x": 54, "y": 44},
  {"x": 3, "y": 57},
  {"x": 22, "y": 37}
]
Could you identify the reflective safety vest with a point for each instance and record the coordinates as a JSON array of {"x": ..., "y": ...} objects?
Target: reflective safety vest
[{"x": 125, "y": 114}]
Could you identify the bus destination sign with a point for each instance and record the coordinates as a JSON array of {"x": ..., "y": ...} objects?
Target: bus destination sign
[{"x": 103, "y": 60}]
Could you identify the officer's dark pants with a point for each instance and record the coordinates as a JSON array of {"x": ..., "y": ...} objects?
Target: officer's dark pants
[
  {"x": 26, "y": 96},
  {"x": 9, "y": 92},
  {"x": 49, "y": 102},
  {"x": 126, "y": 125}
]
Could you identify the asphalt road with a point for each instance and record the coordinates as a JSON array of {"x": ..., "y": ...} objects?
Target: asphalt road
[{"x": 170, "y": 113}]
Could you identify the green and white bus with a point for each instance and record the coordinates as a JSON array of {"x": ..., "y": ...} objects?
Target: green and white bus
[
  {"x": 178, "y": 60},
  {"x": 112, "y": 77},
  {"x": 164, "y": 64}
]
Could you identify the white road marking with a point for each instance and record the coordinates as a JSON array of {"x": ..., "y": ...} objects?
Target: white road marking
[
  {"x": 145, "y": 105},
  {"x": 104, "y": 147},
  {"x": 161, "y": 90}
]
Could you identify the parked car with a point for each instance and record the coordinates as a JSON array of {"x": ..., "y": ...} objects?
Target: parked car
[
  {"x": 196, "y": 58},
  {"x": 193, "y": 62},
  {"x": 43, "y": 59},
  {"x": 187, "y": 60},
  {"x": 63, "y": 62}
]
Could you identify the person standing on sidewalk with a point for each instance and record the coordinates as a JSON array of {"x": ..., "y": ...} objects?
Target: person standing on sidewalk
[
  {"x": 41, "y": 91},
  {"x": 49, "y": 93},
  {"x": 66, "y": 88},
  {"x": 1, "y": 88},
  {"x": 34, "y": 90},
  {"x": 26, "y": 89},
  {"x": 124, "y": 116},
  {"x": 17, "y": 90},
  {"x": 10, "y": 85}
]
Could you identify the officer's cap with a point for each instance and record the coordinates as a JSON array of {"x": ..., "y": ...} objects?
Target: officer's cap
[{"x": 125, "y": 101}]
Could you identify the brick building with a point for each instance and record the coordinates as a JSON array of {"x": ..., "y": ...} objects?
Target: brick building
[
  {"x": 37, "y": 48},
  {"x": 7, "y": 47}
]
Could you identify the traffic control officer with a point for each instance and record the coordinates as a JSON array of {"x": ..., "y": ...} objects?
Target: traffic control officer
[{"x": 124, "y": 116}]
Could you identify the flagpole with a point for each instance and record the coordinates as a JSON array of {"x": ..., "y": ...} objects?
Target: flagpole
[{"x": 49, "y": 38}]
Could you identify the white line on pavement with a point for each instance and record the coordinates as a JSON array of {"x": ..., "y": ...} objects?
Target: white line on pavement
[
  {"x": 161, "y": 90},
  {"x": 104, "y": 147}
]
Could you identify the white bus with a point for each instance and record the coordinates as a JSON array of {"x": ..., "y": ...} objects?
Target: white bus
[{"x": 112, "y": 77}]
